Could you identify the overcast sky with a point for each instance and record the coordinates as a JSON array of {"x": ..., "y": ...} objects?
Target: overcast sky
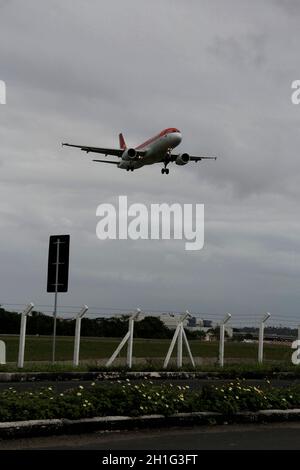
[{"x": 81, "y": 72}]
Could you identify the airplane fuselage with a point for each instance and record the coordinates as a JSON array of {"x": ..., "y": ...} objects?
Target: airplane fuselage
[{"x": 156, "y": 149}]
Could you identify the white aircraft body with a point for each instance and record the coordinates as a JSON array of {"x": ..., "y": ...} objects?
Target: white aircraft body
[{"x": 158, "y": 149}]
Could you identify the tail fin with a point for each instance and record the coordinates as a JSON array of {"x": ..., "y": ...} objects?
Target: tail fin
[{"x": 122, "y": 142}]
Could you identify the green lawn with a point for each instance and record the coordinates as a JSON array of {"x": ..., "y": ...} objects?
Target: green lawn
[{"x": 38, "y": 348}]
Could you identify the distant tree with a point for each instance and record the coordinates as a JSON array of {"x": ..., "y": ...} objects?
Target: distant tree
[{"x": 152, "y": 327}]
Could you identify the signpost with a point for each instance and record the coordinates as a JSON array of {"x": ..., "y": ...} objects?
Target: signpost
[{"x": 58, "y": 273}]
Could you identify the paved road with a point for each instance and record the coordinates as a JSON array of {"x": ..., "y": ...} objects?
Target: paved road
[{"x": 240, "y": 437}]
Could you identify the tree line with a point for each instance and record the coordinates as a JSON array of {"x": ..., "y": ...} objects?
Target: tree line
[{"x": 114, "y": 327}]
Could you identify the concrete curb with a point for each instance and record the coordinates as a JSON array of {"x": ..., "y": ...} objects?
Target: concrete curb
[
  {"x": 37, "y": 428},
  {"x": 162, "y": 375}
]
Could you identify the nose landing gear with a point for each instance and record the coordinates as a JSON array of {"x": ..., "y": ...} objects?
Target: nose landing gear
[{"x": 165, "y": 170}]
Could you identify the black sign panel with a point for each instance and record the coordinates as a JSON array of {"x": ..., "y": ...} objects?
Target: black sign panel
[{"x": 58, "y": 263}]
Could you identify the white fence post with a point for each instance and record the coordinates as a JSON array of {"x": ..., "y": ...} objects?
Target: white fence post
[
  {"x": 77, "y": 335},
  {"x": 222, "y": 339},
  {"x": 24, "y": 315},
  {"x": 261, "y": 337},
  {"x": 2, "y": 352},
  {"x": 179, "y": 346},
  {"x": 179, "y": 336},
  {"x": 127, "y": 338}
]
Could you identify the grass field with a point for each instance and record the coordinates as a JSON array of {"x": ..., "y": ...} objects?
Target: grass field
[{"x": 38, "y": 348}]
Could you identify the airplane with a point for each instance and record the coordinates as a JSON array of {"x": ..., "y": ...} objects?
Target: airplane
[{"x": 158, "y": 149}]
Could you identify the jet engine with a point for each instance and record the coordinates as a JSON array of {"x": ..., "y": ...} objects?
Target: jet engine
[
  {"x": 182, "y": 159},
  {"x": 129, "y": 154}
]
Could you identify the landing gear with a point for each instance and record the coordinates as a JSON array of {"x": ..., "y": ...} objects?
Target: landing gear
[
  {"x": 166, "y": 161},
  {"x": 129, "y": 169}
]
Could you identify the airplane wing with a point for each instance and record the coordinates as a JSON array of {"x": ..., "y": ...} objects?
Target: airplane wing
[
  {"x": 197, "y": 159},
  {"x": 107, "y": 161},
  {"x": 193, "y": 158},
  {"x": 103, "y": 150}
]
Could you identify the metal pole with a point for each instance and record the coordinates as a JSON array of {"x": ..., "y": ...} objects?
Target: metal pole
[
  {"x": 188, "y": 347},
  {"x": 261, "y": 338},
  {"x": 23, "y": 334},
  {"x": 77, "y": 335},
  {"x": 130, "y": 343},
  {"x": 179, "y": 346},
  {"x": 55, "y": 301},
  {"x": 169, "y": 353},
  {"x": 118, "y": 350},
  {"x": 179, "y": 335},
  {"x": 128, "y": 337},
  {"x": 2, "y": 352},
  {"x": 222, "y": 339}
]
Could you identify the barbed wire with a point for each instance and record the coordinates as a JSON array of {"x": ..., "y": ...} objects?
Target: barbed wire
[{"x": 238, "y": 320}]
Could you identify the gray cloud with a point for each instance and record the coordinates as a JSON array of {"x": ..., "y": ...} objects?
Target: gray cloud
[{"x": 83, "y": 71}]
